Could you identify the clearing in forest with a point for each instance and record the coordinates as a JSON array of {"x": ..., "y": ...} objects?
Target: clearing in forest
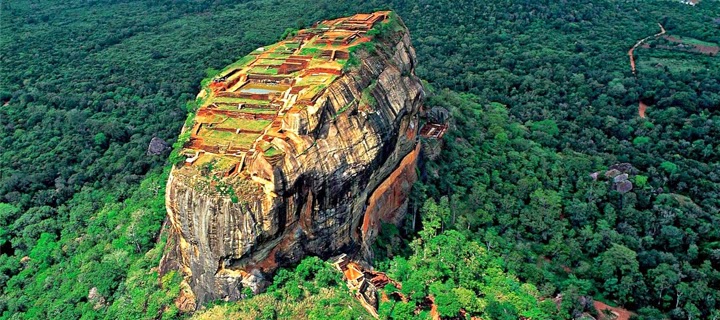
[
  {"x": 617, "y": 313},
  {"x": 641, "y": 109},
  {"x": 674, "y": 53},
  {"x": 692, "y": 45}
]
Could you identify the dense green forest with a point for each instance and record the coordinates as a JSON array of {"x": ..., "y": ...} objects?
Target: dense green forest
[{"x": 541, "y": 96}]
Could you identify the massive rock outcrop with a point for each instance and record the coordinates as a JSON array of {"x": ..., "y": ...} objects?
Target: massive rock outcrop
[{"x": 316, "y": 149}]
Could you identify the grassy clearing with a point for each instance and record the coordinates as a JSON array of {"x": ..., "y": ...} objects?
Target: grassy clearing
[
  {"x": 277, "y": 55},
  {"x": 214, "y": 118},
  {"x": 245, "y": 124},
  {"x": 272, "y": 152},
  {"x": 305, "y": 51},
  {"x": 214, "y": 137},
  {"x": 264, "y": 70},
  {"x": 674, "y": 65},
  {"x": 215, "y": 162},
  {"x": 225, "y": 163},
  {"x": 696, "y": 42},
  {"x": 283, "y": 49}
]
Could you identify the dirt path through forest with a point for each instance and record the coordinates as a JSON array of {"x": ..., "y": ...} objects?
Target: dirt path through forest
[
  {"x": 641, "y": 109},
  {"x": 642, "y": 106},
  {"x": 630, "y": 52}
]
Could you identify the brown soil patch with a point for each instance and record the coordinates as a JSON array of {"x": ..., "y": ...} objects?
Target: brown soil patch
[
  {"x": 619, "y": 313},
  {"x": 641, "y": 109},
  {"x": 710, "y": 50},
  {"x": 433, "y": 308},
  {"x": 564, "y": 267}
]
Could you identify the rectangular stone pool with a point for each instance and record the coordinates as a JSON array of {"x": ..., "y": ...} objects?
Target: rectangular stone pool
[{"x": 260, "y": 88}]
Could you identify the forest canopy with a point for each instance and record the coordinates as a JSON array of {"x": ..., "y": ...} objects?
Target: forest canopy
[{"x": 531, "y": 181}]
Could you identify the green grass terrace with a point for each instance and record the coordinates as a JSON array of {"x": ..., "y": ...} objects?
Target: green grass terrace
[
  {"x": 270, "y": 61},
  {"x": 263, "y": 70},
  {"x": 243, "y": 124},
  {"x": 223, "y": 138}
]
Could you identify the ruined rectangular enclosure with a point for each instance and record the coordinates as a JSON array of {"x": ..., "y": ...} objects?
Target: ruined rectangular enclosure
[{"x": 259, "y": 97}]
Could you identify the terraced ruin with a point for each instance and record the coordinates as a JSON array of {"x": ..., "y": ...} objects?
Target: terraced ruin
[{"x": 259, "y": 98}]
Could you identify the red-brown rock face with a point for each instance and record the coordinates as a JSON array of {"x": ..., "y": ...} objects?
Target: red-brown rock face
[
  {"x": 388, "y": 203},
  {"x": 344, "y": 164}
]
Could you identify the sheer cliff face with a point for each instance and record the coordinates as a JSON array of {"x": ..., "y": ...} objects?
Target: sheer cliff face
[{"x": 338, "y": 168}]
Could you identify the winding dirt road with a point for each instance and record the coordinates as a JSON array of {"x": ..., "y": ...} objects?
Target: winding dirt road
[
  {"x": 639, "y": 43},
  {"x": 642, "y": 106}
]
